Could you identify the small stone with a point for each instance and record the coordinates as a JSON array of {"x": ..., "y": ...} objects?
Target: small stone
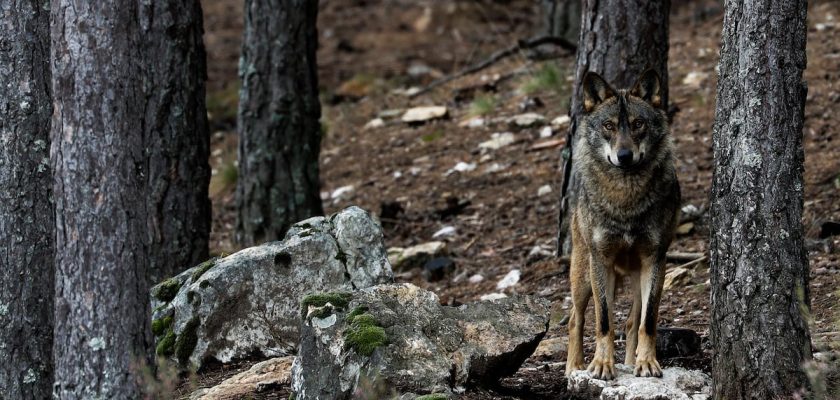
[
  {"x": 477, "y": 278},
  {"x": 423, "y": 114},
  {"x": 511, "y": 279},
  {"x": 695, "y": 79},
  {"x": 493, "y": 296},
  {"x": 446, "y": 231},
  {"x": 374, "y": 123},
  {"x": 527, "y": 120},
  {"x": 676, "y": 342},
  {"x": 390, "y": 113},
  {"x": 342, "y": 192},
  {"x": 438, "y": 268},
  {"x": 530, "y": 103},
  {"x": 497, "y": 141},
  {"x": 474, "y": 122},
  {"x": 561, "y": 121},
  {"x": 415, "y": 256},
  {"x": 544, "y": 190},
  {"x": 546, "y": 132},
  {"x": 461, "y": 167},
  {"x": 690, "y": 212},
  {"x": 553, "y": 348},
  {"x": 685, "y": 229}
]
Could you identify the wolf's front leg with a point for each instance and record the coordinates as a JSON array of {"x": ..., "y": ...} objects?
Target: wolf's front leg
[
  {"x": 652, "y": 277},
  {"x": 603, "y": 289}
]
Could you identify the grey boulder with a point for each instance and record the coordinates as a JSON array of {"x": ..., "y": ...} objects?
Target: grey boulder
[
  {"x": 398, "y": 336},
  {"x": 247, "y": 304},
  {"x": 675, "y": 384}
]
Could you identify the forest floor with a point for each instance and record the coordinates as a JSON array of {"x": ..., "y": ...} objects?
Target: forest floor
[{"x": 504, "y": 217}]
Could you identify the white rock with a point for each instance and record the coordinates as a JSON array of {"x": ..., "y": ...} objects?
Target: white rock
[
  {"x": 340, "y": 192},
  {"x": 561, "y": 121},
  {"x": 477, "y": 278},
  {"x": 493, "y": 168},
  {"x": 446, "y": 231},
  {"x": 544, "y": 190},
  {"x": 375, "y": 123},
  {"x": 512, "y": 278},
  {"x": 695, "y": 79},
  {"x": 422, "y": 114},
  {"x": 461, "y": 167},
  {"x": 527, "y": 120},
  {"x": 676, "y": 384},
  {"x": 824, "y": 26},
  {"x": 546, "y": 132},
  {"x": 497, "y": 141},
  {"x": 474, "y": 122},
  {"x": 492, "y": 296},
  {"x": 402, "y": 258}
]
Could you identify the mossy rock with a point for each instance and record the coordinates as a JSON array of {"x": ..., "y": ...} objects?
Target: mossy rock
[
  {"x": 166, "y": 290},
  {"x": 364, "y": 334},
  {"x": 202, "y": 268},
  {"x": 187, "y": 340},
  {"x": 338, "y": 300},
  {"x": 166, "y": 346},
  {"x": 160, "y": 325}
]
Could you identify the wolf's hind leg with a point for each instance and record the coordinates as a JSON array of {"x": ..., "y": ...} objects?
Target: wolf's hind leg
[{"x": 581, "y": 291}]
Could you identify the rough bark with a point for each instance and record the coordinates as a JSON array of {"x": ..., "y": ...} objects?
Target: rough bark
[
  {"x": 26, "y": 213},
  {"x": 177, "y": 136},
  {"x": 759, "y": 268},
  {"x": 562, "y": 18},
  {"x": 279, "y": 129},
  {"x": 619, "y": 39},
  {"x": 100, "y": 175}
]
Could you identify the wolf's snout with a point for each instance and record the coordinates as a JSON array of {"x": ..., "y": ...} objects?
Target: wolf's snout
[{"x": 625, "y": 157}]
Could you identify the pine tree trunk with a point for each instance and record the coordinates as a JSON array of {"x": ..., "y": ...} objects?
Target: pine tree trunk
[
  {"x": 177, "y": 136},
  {"x": 562, "y": 18},
  {"x": 26, "y": 213},
  {"x": 100, "y": 175},
  {"x": 279, "y": 111},
  {"x": 619, "y": 39},
  {"x": 759, "y": 268}
]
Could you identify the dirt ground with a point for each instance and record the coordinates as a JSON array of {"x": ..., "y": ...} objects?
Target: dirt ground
[{"x": 372, "y": 50}]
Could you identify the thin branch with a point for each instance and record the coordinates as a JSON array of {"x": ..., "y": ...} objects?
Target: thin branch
[{"x": 500, "y": 55}]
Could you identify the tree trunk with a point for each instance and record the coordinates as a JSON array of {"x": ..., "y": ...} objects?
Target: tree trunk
[
  {"x": 562, "y": 18},
  {"x": 279, "y": 111},
  {"x": 619, "y": 39},
  {"x": 177, "y": 136},
  {"x": 26, "y": 213},
  {"x": 100, "y": 174},
  {"x": 759, "y": 268}
]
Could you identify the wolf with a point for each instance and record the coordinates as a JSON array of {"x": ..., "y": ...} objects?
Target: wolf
[{"x": 623, "y": 221}]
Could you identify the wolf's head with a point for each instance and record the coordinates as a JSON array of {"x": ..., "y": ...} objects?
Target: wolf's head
[{"x": 623, "y": 128}]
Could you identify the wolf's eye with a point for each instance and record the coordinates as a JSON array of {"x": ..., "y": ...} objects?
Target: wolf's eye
[
  {"x": 638, "y": 124},
  {"x": 609, "y": 126}
]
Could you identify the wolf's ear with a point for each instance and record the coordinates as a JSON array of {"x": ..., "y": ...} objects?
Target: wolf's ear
[
  {"x": 595, "y": 91},
  {"x": 647, "y": 88}
]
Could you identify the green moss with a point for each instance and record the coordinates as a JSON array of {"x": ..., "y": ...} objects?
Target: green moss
[
  {"x": 483, "y": 105},
  {"x": 160, "y": 325},
  {"x": 185, "y": 344},
  {"x": 356, "y": 312},
  {"x": 339, "y": 300},
  {"x": 292, "y": 396},
  {"x": 433, "y": 396},
  {"x": 165, "y": 346},
  {"x": 365, "y": 334},
  {"x": 202, "y": 268},
  {"x": 166, "y": 290}
]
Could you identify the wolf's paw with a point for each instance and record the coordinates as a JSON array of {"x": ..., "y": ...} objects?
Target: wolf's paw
[
  {"x": 648, "y": 366},
  {"x": 602, "y": 369},
  {"x": 574, "y": 366}
]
